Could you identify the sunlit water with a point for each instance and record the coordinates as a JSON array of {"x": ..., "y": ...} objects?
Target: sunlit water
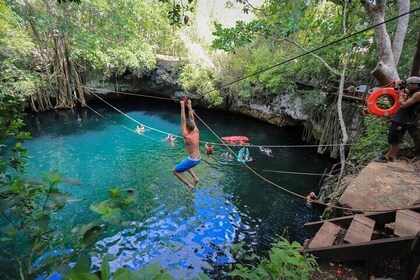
[{"x": 187, "y": 234}]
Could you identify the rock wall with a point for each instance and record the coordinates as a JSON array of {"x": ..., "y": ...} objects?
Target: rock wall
[
  {"x": 161, "y": 81},
  {"x": 278, "y": 110},
  {"x": 321, "y": 125}
]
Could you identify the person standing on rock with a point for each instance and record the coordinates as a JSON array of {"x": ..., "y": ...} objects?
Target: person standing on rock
[
  {"x": 191, "y": 137},
  {"x": 409, "y": 99}
]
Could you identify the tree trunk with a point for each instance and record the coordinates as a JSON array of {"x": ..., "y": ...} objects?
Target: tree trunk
[
  {"x": 339, "y": 106},
  {"x": 33, "y": 106},
  {"x": 397, "y": 44},
  {"x": 43, "y": 53},
  {"x": 415, "y": 68},
  {"x": 388, "y": 54},
  {"x": 64, "y": 96},
  {"x": 79, "y": 89}
]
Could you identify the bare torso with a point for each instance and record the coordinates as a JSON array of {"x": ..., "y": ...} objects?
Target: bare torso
[{"x": 191, "y": 140}]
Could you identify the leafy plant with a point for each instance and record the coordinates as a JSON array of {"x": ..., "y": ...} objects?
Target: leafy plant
[
  {"x": 284, "y": 262},
  {"x": 28, "y": 205},
  {"x": 197, "y": 79},
  {"x": 373, "y": 142}
]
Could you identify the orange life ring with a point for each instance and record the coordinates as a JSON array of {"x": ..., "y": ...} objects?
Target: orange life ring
[{"x": 373, "y": 99}]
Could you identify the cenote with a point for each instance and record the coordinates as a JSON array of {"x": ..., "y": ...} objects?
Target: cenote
[{"x": 186, "y": 234}]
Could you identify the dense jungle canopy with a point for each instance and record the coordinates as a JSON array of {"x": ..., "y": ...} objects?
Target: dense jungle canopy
[
  {"x": 48, "y": 48},
  {"x": 51, "y": 49}
]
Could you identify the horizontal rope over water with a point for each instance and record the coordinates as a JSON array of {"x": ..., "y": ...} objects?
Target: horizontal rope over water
[
  {"x": 216, "y": 144},
  {"x": 271, "y": 67},
  {"x": 260, "y": 176},
  {"x": 299, "y": 195}
]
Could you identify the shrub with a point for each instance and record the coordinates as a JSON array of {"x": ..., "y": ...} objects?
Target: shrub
[{"x": 284, "y": 262}]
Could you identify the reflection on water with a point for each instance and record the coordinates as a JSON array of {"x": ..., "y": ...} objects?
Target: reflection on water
[
  {"x": 186, "y": 234},
  {"x": 187, "y": 241}
]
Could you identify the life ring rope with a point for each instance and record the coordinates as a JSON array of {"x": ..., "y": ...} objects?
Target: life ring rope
[{"x": 372, "y": 102}]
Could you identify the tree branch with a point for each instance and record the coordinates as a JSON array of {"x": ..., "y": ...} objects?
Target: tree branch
[
  {"x": 314, "y": 55},
  {"x": 339, "y": 103},
  {"x": 397, "y": 44},
  {"x": 368, "y": 5}
]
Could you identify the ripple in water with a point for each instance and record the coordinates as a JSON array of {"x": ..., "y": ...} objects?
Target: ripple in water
[{"x": 186, "y": 241}]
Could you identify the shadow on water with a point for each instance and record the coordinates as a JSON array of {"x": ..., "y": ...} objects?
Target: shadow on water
[{"x": 187, "y": 235}]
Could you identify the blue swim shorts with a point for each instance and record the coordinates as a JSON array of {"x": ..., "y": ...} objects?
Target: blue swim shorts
[{"x": 186, "y": 164}]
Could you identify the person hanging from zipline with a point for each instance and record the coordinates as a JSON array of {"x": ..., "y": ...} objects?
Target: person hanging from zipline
[{"x": 191, "y": 137}]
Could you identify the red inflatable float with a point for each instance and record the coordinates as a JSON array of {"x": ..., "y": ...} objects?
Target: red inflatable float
[
  {"x": 235, "y": 139},
  {"x": 372, "y": 100}
]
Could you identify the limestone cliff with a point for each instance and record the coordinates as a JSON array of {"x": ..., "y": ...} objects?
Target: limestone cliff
[{"x": 320, "y": 123}]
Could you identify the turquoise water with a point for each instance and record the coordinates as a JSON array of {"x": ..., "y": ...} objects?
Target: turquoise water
[{"x": 187, "y": 234}]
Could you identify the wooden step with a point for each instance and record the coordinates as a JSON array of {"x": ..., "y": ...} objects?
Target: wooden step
[
  {"x": 360, "y": 230},
  {"x": 325, "y": 236},
  {"x": 407, "y": 223}
]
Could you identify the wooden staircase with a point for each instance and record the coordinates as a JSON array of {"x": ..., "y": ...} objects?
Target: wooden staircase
[{"x": 365, "y": 236}]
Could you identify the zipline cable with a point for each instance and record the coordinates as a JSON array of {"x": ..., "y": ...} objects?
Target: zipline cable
[
  {"x": 296, "y": 173},
  {"x": 313, "y": 50},
  {"x": 117, "y": 123},
  {"x": 299, "y": 195},
  {"x": 267, "y": 180},
  {"x": 216, "y": 144},
  {"x": 269, "y": 68},
  {"x": 256, "y": 73}
]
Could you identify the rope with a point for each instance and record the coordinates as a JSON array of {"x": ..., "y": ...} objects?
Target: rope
[
  {"x": 127, "y": 93},
  {"x": 299, "y": 195},
  {"x": 118, "y": 110},
  {"x": 123, "y": 126},
  {"x": 313, "y": 50},
  {"x": 297, "y": 173},
  {"x": 216, "y": 144},
  {"x": 259, "y": 72},
  {"x": 252, "y": 170}
]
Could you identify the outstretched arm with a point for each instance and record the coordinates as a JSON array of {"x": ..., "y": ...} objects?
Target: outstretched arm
[
  {"x": 183, "y": 118},
  {"x": 191, "y": 114},
  {"x": 404, "y": 102}
]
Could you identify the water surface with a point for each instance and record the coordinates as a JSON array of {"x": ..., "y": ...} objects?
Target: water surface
[{"x": 187, "y": 234}]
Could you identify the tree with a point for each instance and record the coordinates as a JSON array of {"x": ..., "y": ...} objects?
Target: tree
[
  {"x": 389, "y": 53},
  {"x": 72, "y": 44}
]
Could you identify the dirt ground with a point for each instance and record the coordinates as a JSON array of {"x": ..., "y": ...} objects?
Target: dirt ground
[
  {"x": 379, "y": 186},
  {"x": 384, "y": 186}
]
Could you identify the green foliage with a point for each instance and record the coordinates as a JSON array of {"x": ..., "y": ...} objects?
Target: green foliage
[
  {"x": 110, "y": 209},
  {"x": 83, "y": 267},
  {"x": 284, "y": 262},
  {"x": 12, "y": 154},
  {"x": 195, "y": 78},
  {"x": 153, "y": 271},
  {"x": 28, "y": 205},
  {"x": 177, "y": 11},
  {"x": 228, "y": 39},
  {"x": 127, "y": 40},
  {"x": 16, "y": 49},
  {"x": 285, "y": 29},
  {"x": 310, "y": 98},
  {"x": 374, "y": 140}
]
